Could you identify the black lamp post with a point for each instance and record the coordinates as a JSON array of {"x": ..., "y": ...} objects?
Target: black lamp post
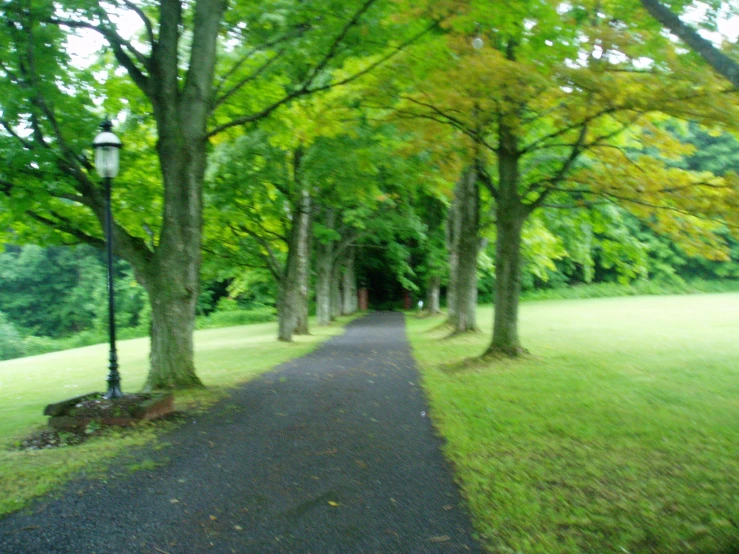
[{"x": 107, "y": 149}]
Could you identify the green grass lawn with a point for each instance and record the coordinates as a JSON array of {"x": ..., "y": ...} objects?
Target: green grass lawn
[
  {"x": 224, "y": 358},
  {"x": 620, "y": 433}
]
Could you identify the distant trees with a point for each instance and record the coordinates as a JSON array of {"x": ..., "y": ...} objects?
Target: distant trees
[{"x": 59, "y": 291}]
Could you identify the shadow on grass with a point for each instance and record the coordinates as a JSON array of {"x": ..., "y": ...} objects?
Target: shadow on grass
[{"x": 487, "y": 362}]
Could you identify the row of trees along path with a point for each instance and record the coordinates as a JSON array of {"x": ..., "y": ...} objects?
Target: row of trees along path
[{"x": 538, "y": 109}]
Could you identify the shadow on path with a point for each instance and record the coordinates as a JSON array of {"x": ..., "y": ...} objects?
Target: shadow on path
[{"x": 330, "y": 453}]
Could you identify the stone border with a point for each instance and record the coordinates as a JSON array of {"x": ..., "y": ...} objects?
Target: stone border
[{"x": 158, "y": 406}]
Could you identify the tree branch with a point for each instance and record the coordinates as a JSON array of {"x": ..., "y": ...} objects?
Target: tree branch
[
  {"x": 268, "y": 255},
  {"x": 715, "y": 58},
  {"x": 241, "y": 61},
  {"x": 65, "y": 226},
  {"x": 246, "y": 80},
  {"x": 144, "y": 19},
  {"x": 577, "y": 149},
  {"x": 305, "y": 88},
  {"x": 486, "y": 179},
  {"x": 117, "y": 43}
]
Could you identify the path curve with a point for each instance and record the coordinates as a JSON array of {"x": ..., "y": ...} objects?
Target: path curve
[{"x": 330, "y": 453}]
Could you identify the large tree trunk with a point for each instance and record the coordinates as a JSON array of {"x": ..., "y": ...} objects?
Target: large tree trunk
[
  {"x": 324, "y": 268},
  {"x": 173, "y": 274},
  {"x": 181, "y": 114},
  {"x": 432, "y": 294},
  {"x": 288, "y": 293},
  {"x": 507, "y": 285},
  {"x": 452, "y": 244},
  {"x": 467, "y": 240},
  {"x": 349, "y": 284},
  {"x": 511, "y": 216},
  {"x": 336, "y": 292},
  {"x": 303, "y": 255},
  {"x": 172, "y": 326},
  {"x": 285, "y": 312},
  {"x": 323, "y": 285},
  {"x": 293, "y": 290}
]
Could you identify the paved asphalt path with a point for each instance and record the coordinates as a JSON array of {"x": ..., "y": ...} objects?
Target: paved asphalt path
[{"x": 331, "y": 453}]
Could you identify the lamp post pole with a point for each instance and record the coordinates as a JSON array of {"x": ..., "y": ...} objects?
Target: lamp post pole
[
  {"x": 107, "y": 147},
  {"x": 114, "y": 377}
]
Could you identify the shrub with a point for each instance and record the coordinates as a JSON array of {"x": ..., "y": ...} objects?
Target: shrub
[
  {"x": 40, "y": 345},
  {"x": 11, "y": 343},
  {"x": 636, "y": 288},
  {"x": 236, "y": 317}
]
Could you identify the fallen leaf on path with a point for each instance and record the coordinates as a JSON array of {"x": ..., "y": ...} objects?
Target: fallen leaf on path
[
  {"x": 238, "y": 527},
  {"x": 173, "y": 500},
  {"x": 332, "y": 503},
  {"x": 213, "y": 518},
  {"x": 442, "y": 538}
]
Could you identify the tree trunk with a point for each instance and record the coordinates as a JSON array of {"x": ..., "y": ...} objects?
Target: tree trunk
[
  {"x": 467, "y": 240},
  {"x": 323, "y": 285},
  {"x": 452, "y": 243},
  {"x": 172, "y": 326},
  {"x": 432, "y": 294},
  {"x": 287, "y": 295},
  {"x": 181, "y": 114},
  {"x": 336, "y": 292},
  {"x": 286, "y": 316},
  {"x": 293, "y": 290},
  {"x": 511, "y": 216},
  {"x": 173, "y": 272},
  {"x": 324, "y": 267},
  {"x": 349, "y": 284},
  {"x": 303, "y": 254},
  {"x": 507, "y": 285}
]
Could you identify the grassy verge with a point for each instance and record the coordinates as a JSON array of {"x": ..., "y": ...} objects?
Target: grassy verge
[
  {"x": 224, "y": 357},
  {"x": 619, "y": 433},
  {"x": 33, "y": 346}
]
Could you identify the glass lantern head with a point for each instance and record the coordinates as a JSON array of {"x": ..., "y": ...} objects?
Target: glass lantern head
[{"x": 107, "y": 151}]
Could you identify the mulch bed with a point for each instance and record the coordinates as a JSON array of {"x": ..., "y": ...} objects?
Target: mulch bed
[{"x": 56, "y": 438}]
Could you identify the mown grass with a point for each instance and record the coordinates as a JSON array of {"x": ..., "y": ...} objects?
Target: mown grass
[
  {"x": 224, "y": 358},
  {"x": 619, "y": 433}
]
